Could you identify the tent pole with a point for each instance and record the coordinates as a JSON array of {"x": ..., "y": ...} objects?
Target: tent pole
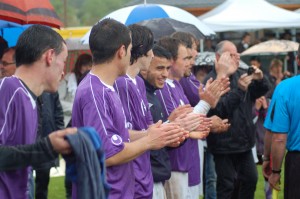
[{"x": 201, "y": 45}]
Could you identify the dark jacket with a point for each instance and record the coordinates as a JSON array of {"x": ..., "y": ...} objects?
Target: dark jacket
[
  {"x": 51, "y": 119},
  {"x": 236, "y": 105},
  {"x": 15, "y": 157},
  {"x": 160, "y": 162}
]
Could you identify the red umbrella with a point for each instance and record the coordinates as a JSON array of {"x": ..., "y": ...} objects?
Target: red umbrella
[{"x": 29, "y": 12}]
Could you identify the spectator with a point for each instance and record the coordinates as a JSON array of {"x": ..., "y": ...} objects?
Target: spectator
[
  {"x": 245, "y": 43},
  {"x": 233, "y": 150},
  {"x": 8, "y": 63}
]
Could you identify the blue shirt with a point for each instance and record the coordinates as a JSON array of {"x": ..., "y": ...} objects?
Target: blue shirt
[
  {"x": 271, "y": 110},
  {"x": 286, "y": 113}
]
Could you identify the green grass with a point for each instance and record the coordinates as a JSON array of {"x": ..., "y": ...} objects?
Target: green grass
[{"x": 57, "y": 189}]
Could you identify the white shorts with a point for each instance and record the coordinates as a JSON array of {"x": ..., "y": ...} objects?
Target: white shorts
[
  {"x": 159, "y": 191},
  {"x": 177, "y": 186}
]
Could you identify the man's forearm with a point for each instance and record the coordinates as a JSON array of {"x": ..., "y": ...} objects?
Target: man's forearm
[
  {"x": 278, "y": 150},
  {"x": 15, "y": 157},
  {"x": 267, "y": 144}
]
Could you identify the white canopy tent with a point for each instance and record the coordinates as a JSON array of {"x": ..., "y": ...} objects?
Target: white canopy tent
[{"x": 234, "y": 15}]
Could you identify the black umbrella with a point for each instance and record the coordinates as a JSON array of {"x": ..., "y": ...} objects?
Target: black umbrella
[{"x": 166, "y": 26}]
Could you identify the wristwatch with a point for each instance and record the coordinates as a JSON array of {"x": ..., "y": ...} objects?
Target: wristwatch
[{"x": 276, "y": 171}]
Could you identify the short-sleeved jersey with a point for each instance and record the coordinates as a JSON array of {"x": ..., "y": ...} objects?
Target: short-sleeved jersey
[
  {"x": 132, "y": 93},
  {"x": 98, "y": 105},
  {"x": 190, "y": 87},
  {"x": 18, "y": 126},
  {"x": 286, "y": 112},
  {"x": 186, "y": 157}
]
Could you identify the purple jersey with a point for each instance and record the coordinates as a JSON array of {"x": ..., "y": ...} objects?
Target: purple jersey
[
  {"x": 18, "y": 126},
  {"x": 99, "y": 106},
  {"x": 132, "y": 93},
  {"x": 190, "y": 86},
  {"x": 186, "y": 157}
]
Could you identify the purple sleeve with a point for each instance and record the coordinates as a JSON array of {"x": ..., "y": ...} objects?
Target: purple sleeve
[
  {"x": 190, "y": 86},
  {"x": 95, "y": 113}
]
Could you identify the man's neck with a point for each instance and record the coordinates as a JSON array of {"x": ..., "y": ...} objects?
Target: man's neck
[
  {"x": 106, "y": 72},
  {"x": 32, "y": 77},
  {"x": 133, "y": 70}
]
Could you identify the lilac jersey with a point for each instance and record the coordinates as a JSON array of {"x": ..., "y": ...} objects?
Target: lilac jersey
[
  {"x": 186, "y": 157},
  {"x": 190, "y": 86},
  {"x": 99, "y": 106},
  {"x": 132, "y": 93},
  {"x": 18, "y": 126}
]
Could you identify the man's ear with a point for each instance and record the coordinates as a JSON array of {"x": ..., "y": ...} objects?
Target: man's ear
[
  {"x": 121, "y": 52},
  {"x": 49, "y": 56}
]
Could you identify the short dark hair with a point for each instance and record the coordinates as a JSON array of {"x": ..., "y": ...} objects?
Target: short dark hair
[
  {"x": 11, "y": 49},
  {"x": 142, "y": 41},
  {"x": 106, "y": 37},
  {"x": 82, "y": 60},
  {"x": 161, "y": 52},
  {"x": 185, "y": 37},
  {"x": 245, "y": 35},
  {"x": 36, "y": 40},
  {"x": 255, "y": 58},
  {"x": 171, "y": 45}
]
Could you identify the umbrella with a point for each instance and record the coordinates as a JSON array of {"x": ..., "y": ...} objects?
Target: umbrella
[
  {"x": 205, "y": 59},
  {"x": 11, "y": 31},
  {"x": 166, "y": 26},
  {"x": 29, "y": 12},
  {"x": 137, "y": 13},
  {"x": 208, "y": 59},
  {"x": 272, "y": 47}
]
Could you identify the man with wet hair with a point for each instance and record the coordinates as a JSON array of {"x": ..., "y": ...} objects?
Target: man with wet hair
[{"x": 40, "y": 54}]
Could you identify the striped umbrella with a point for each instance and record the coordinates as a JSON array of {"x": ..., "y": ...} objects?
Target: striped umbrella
[
  {"x": 29, "y": 12},
  {"x": 137, "y": 13}
]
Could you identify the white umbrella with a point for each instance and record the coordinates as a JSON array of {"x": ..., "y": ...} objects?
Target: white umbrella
[
  {"x": 272, "y": 47},
  {"x": 134, "y": 14}
]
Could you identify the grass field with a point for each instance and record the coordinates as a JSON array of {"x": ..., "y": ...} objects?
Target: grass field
[{"x": 57, "y": 190}]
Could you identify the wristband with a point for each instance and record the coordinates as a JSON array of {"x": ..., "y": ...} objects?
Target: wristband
[
  {"x": 202, "y": 107},
  {"x": 276, "y": 171}
]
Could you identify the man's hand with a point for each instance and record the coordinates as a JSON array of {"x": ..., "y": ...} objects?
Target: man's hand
[
  {"x": 219, "y": 125},
  {"x": 189, "y": 122},
  {"x": 261, "y": 102},
  {"x": 226, "y": 65},
  {"x": 59, "y": 144},
  {"x": 160, "y": 135},
  {"x": 180, "y": 111},
  {"x": 214, "y": 90},
  {"x": 202, "y": 131},
  {"x": 266, "y": 169},
  {"x": 274, "y": 181},
  {"x": 258, "y": 74},
  {"x": 244, "y": 81},
  {"x": 181, "y": 140}
]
